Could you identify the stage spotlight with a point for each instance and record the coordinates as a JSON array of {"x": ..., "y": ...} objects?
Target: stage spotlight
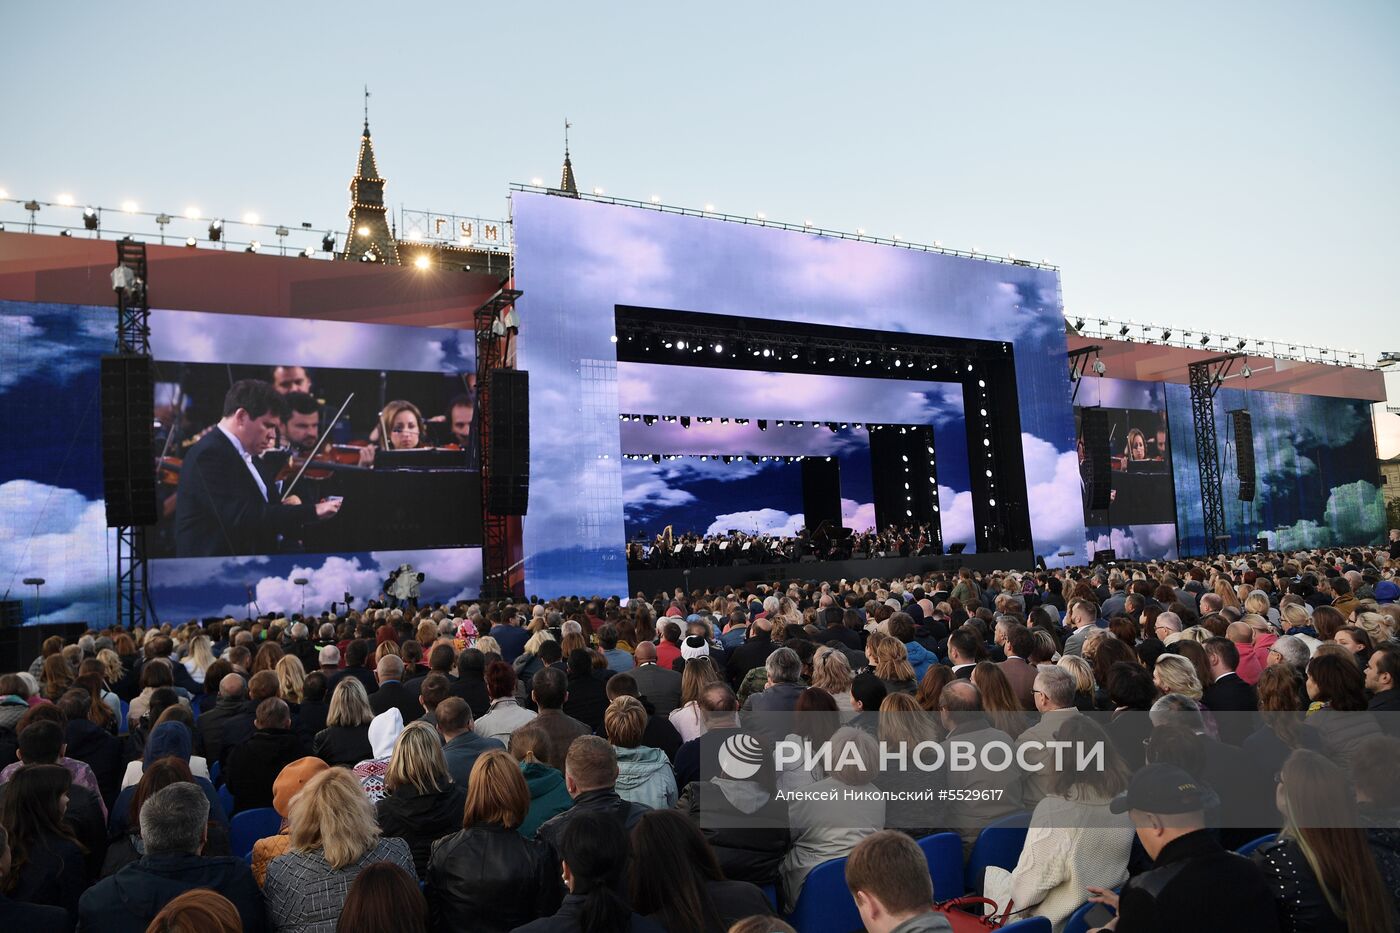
[
  {"x": 763, "y": 424},
  {"x": 64, "y": 233},
  {"x": 309, "y": 252},
  {"x": 422, "y": 262},
  {"x": 1205, "y": 339},
  {"x": 685, "y": 422},
  {"x": 1166, "y": 335},
  {"x": 831, "y": 359},
  {"x": 216, "y": 230},
  {"x": 1123, "y": 331},
  {"x": 370, "y": 256},
  {"x": 65, "y": 199},
  {"x": 648, "y": 420},
  {"x": 655, "y": 458},
  {"x": 190, "y": 241},
  {"x": 32, "y": 206},
  {"x": 1241, "y": 344},
  {"x": 719, "y": 348},
  {"x": 192, "y": 212},
  {"x": 328, "y": 243},
  {"x": 728, "y": 459},
  {"x": 1078, "y": 323},
  {"x": 90, "y": 218},
  {"x": 254, "y": 246},
  {"x": 680, "y": 344}
]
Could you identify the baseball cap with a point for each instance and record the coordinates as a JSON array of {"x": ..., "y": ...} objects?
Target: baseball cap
[
  {"x": 1387, "y": 592},
  {"x": 329, "y": 655},
  {"x": 694, "y": 646},
  {"x": 1164, "y": 788}
]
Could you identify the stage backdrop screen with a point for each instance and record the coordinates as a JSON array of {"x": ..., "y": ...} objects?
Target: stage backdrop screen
[
  {"x": 1315, "y": 468},
  {"x": 578, "y": 261},
  {"x": 52, "y": 517},
  {"x": 1140, "y": 520}
]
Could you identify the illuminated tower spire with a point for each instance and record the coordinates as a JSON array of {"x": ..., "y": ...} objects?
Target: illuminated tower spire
[
  {"x": 567, "y": 183},
  {"x": 369, "y": 239}
]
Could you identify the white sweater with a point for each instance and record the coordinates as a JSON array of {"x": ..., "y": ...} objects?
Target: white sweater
[{"x": 1071, "y": 845}]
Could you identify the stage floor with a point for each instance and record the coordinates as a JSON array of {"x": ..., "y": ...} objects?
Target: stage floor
[{"x": 885, "y": 568}]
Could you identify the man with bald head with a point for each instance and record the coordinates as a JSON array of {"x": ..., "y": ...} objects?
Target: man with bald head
[
  {"x": 211, "y": 727},
  {"x": 964, "y": 720},
  {"x": 392, "y": 694},
  {"x": 660, "y": 687}
]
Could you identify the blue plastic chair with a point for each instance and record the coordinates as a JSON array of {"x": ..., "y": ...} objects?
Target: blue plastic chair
[
  {"x": 825, "y": 904},
  {"x": 999, "y": 844},
  {"x": 1029, "y": 925},
  {"x": 945, "y": 865},
  {"x": 226, "y": 801},
  {"x": 770, "y": 891},
  {"x": 1078, "y": 921},
  {"x": 214, "y": 772},
  {"x": 125, "y": 708},
  {"x": 249, "y": 826},
  {"x": 1253, "y": 844}
]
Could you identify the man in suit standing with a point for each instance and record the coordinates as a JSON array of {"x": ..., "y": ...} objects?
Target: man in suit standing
[
  {"x": 224, "y": 505},
  {"x": 392, "y": 693},
  {"x": 1229, "y": 694},
  {"x": 660, "y": 686}
]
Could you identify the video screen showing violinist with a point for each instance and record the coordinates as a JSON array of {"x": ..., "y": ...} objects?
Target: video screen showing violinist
[
  {"x": 287, "y": 459},
  {"x": 1139, "y": 457}
]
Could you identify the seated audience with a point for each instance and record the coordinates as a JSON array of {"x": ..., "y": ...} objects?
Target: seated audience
[
  {"x": 420, "y": 802},
  {"x": 548, "y": 794},
  {"x": 505, "y": 714},
  {"x": 288, "y": 784},
  {"x": 18, "y": 915},
  {"x": 128, "y": 846},
  {"x": 549, "y": 691},
  {"x": 174, "y": 827},
  {"x": 644, "y": 775},
  {"x": 254, "y": 765},
  {"x": 332, "y": 837},
  {"x": 590, "y": 773},
  {"x": 594, "y": 851},
  {"x": 693, "y": 896},
  {"x": 462, "y": 746},
  {"x": 345, "y": 740},
  {"x": 888, "y": 878},
  {"x": 487, "y": 876},
  {"x": 46, "y": 857}
]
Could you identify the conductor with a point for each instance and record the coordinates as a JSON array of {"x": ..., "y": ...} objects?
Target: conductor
[{"x": 224, "y": 506}]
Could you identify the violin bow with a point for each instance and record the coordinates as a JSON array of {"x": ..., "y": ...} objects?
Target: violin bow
[{"x": 320, "y": 442}]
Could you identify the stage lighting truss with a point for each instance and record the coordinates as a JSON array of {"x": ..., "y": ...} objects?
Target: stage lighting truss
[
  {"x": 662, "y": 342},
  {"x": 1129, "y": 332}
]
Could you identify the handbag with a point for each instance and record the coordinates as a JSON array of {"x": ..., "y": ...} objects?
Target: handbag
[{"x": 986, "y": 917}]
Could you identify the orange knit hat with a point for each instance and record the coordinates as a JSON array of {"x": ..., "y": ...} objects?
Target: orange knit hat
[{"x": 292, "y": 779}]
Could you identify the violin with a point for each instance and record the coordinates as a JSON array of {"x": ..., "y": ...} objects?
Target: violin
[{"x": 329, "y": 458}]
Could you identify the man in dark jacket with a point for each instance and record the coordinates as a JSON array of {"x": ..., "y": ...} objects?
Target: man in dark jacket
[
  {"x": 88, "y": 742},
  {"x": 1383, "y": 680},
  {"x": 255, "y": 764},
  {"x": 510, "y": 636},
  {"x": 173, "y": 829},
  {"x": 590, "y": 772},
  {"x": 471, "y": 681},
  {"x": 550, "y": 691},
  {"x": 209, "y": 728},
  {"x": 356, "y": 653},
  {"x": 752, "y": 653},
  {"x": 463, "y": 746},
  {"x": 587, "y": 698},
  {"x": 658, "y": 685},
  {"x": 1194, "y": 884},
  {"x": 392, "y": 692},
  {"x": 1229, "y": 693}
]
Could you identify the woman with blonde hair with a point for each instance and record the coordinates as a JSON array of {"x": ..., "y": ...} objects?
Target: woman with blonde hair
[
  {"x": 384, "y": 650},
  {"x": 1321, "y": 869},
  {"x": 420, "y": 803},
  {"x": 291, "y": 676},
  {"x": 831, "y": 671},
  {"x": 57, "y": 677},
  {"x": 345, "y": 740},
  {"x": 1083, "y": 674},
  {"x": 198, "y": 657},
  {"x": 892, "y": 666},
  {"x": 487, "y": 876},
  {"x": 1228, "y": 598},
  {"x": 1174, "y": 674},
  {"x": 333, "y": 836},
  {"x": 402, "y": 425},
  {"x": 688, "y": 718},
  {"x": 549, "y": 796}
]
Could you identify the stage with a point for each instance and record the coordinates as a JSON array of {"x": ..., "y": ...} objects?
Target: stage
[{"x": 886, "y": 568}]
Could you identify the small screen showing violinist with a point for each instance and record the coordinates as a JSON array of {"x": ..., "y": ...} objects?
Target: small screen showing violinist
[
  {"x": 1135, "y": 445},
  {"x": 293, "y": 458}
]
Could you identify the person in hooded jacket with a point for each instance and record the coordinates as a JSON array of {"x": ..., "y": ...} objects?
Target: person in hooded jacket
[
  {"x": 86, "y": 741},
  {"x": 420, "y": 802},
  {"x": 487, "y": 877},
  {"x": 644, "y": 773},
  {"x": 384, "y": 731},
  {"x": 173, "y": 828},
  {"x": 549, "y": 797},
  {"x": 169, "y": 739}
]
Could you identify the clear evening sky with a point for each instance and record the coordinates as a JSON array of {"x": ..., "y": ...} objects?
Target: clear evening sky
[{"x": 1225, "y": 166}]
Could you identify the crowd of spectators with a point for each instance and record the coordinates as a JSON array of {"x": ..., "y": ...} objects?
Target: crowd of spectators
[{"x": 537, "y": 765}]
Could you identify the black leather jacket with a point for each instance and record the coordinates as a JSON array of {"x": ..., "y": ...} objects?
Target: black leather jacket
[
  {"x": 489, "y": 878},
  {"x": 1302, "y": 907}
]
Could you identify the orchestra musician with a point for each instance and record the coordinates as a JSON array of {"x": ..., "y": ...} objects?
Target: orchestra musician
[
  {"x": 225, "y": 505},
  {"x": 1136, "y": 448},
  {"x": 288, "y": 379},
  {"x": 404, "y": 424}
]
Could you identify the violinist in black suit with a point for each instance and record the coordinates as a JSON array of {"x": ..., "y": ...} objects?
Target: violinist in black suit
[{"x": 225, "y": 506}]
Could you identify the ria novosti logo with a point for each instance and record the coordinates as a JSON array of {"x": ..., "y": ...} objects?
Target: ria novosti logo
[{"x": 741, "y": 756}]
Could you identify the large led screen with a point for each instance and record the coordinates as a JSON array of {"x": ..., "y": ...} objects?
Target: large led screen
[
  {"x": 1139, "y": 522},
  {"x": 1315, "y": 468},
  {"x": 52, "y": 517},
  {"x": 577, "y": 262}
]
